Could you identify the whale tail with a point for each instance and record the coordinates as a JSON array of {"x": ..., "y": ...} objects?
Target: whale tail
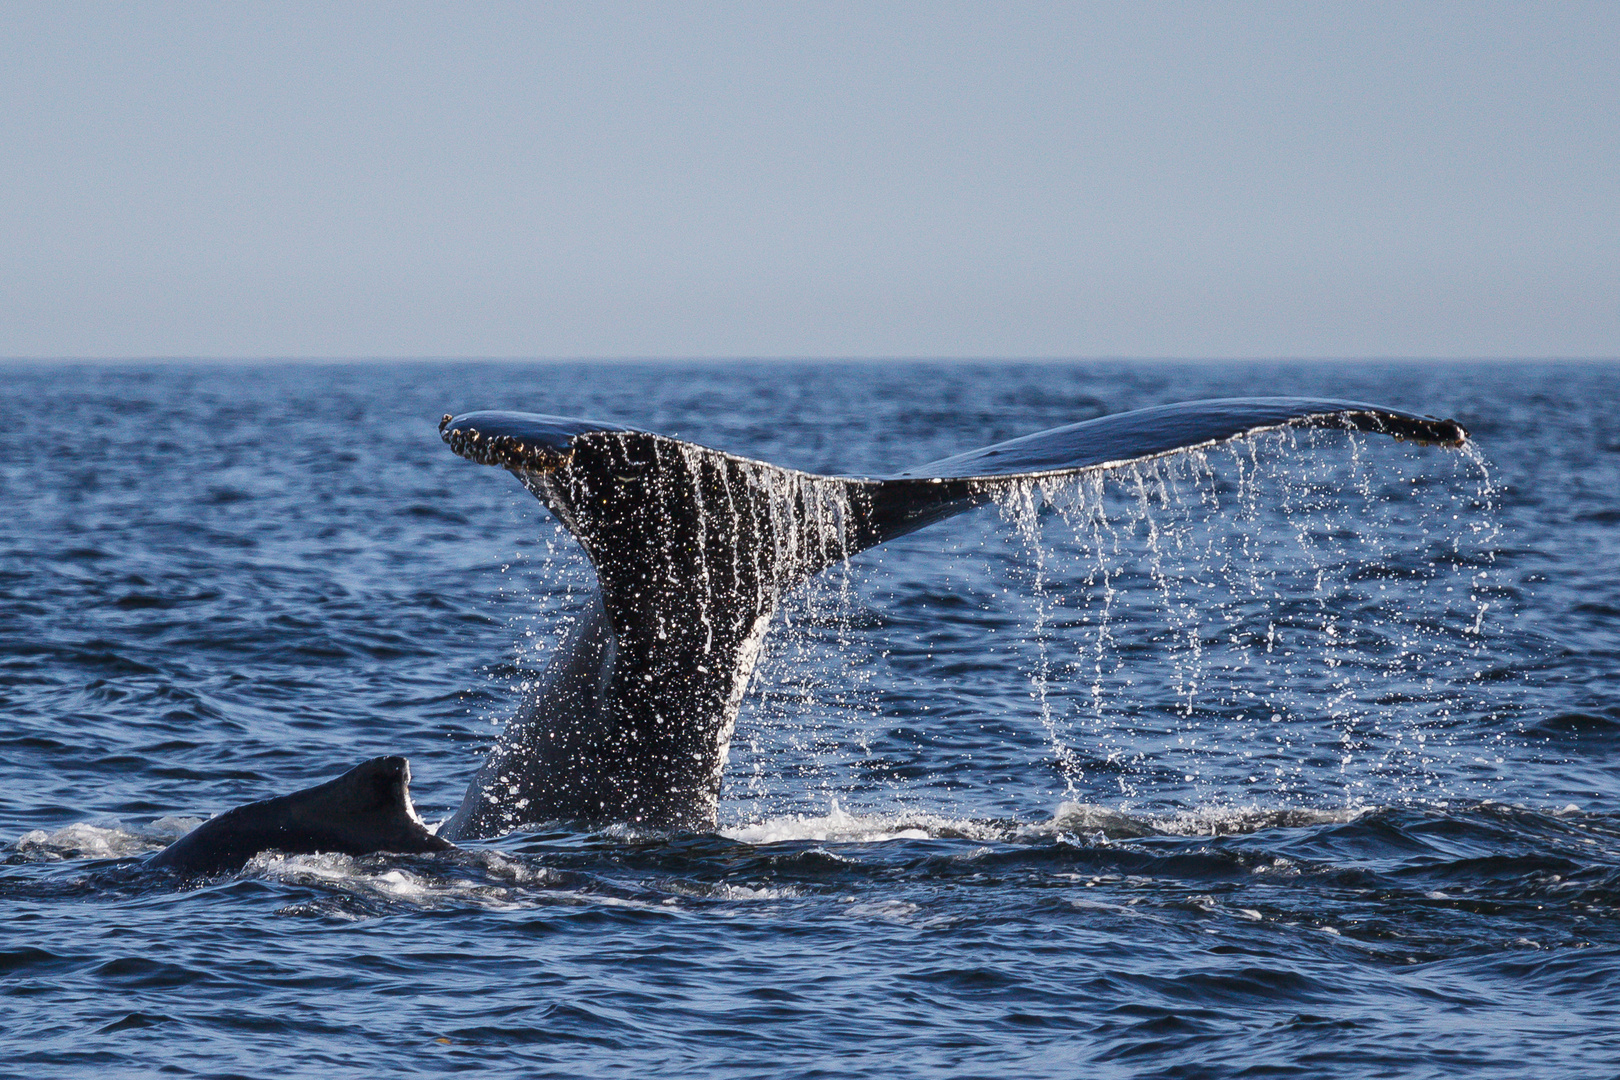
[{"x": 693, "y": 547}]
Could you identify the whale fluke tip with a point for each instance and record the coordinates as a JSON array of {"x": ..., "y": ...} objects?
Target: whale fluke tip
[{"x": 517, "y": 441}]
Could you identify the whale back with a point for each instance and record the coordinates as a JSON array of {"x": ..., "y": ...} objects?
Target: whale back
[{"x": 367, "y": 809}]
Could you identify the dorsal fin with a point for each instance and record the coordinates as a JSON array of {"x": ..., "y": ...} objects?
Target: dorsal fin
[{"x": 367, "y": 809}]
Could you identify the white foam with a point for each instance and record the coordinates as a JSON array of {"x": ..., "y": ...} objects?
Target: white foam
[
  {"x": 370, "y": 879},
  {"x": 110, "y": 840},
  {"x": 1087, "y": 820},
  {"x": 839, "y": 826},
  {"x": 724, "y": 891},
  {"x": 1237, "y": 820},
  {"x": 344, "y": 873},
  {"x": 887, "y": 910}
]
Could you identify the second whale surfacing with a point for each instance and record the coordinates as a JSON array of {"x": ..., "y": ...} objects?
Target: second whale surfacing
[
  {"x": 367, "y": 809},
  {"x": 631, "y": 721}
]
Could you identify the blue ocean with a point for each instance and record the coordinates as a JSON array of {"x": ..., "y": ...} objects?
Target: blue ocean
[{"x": 1297, "y": 756}]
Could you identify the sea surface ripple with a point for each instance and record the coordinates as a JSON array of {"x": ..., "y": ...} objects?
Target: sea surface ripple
[{"x": 1292, "y": 758}]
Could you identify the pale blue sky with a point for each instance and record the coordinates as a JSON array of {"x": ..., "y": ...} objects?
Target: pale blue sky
[{"x": 879, "y": 179}]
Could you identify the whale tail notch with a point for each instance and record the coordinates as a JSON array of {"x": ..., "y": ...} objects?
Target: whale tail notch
[{"x": 693, "y": 547}]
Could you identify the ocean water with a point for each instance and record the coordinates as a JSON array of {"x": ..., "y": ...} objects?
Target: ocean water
[{"x": 1297, "y": 757}]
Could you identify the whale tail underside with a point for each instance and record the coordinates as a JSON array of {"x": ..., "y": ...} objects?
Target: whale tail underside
[{"x": 693, "y": 547}]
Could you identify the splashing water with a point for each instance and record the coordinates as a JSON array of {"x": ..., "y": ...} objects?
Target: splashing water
[
  {"x": 1229, "y": 625},
  {"x": 927, "y": 898},
  {"x": 1295, "y": 619}
]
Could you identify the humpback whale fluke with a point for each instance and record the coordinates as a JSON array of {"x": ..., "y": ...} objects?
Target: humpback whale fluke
[
  {"x": 632, "y": 719},
  {"x": 367, "y": 809}
]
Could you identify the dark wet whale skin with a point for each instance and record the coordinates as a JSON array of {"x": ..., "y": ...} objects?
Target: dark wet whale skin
[
  {"x": 632, "y": 720},
  {"x": 365, "y": 810}
]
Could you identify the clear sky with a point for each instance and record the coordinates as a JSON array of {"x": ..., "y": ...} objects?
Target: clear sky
[{"x": 810, "y": 179}]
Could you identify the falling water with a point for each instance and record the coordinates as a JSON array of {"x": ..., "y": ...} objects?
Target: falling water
[{"x": 1223, "y": 625}]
